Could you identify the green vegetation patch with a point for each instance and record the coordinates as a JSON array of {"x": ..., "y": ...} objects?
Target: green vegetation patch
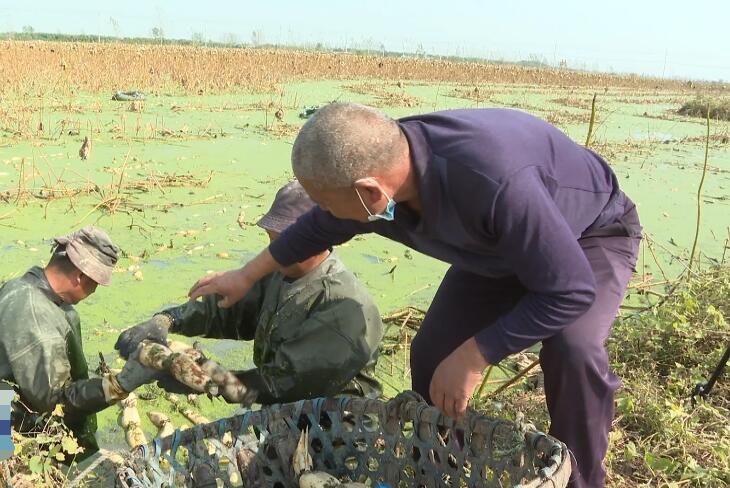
[
  {"x": 719, "y": 108},
  {"x": 659, "y": 438}
]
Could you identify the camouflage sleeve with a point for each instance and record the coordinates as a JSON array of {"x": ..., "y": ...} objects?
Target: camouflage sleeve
[
  {"x": 40, "y": 371},
  {"x": 40, "y": 364},
  {"x": 326, "y": 352},
  {"x": 205, "y": 318}
]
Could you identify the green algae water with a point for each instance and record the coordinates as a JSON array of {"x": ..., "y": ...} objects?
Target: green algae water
[{"x": 180, "y": 185}]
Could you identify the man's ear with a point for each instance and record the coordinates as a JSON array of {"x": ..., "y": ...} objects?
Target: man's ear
[
  {"x": 369, "y": 190},
  {"x": 78, "y": 276}
]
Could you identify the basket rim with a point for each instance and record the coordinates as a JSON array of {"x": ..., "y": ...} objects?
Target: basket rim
[{"x": 405, "y": 407}]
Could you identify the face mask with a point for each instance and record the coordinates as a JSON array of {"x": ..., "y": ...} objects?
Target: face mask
[{"x": 387, "y": 214}]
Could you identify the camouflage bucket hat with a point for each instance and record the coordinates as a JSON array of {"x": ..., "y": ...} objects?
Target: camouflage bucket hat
[
  {"x": 91, "y": 250},
  {"x": 290, "y": 203}
]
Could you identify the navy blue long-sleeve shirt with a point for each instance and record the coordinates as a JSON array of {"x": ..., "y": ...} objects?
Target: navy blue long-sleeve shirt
[{"x": 503, "y": 193}]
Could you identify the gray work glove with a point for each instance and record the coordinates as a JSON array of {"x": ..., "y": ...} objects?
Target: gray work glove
[
  {"x": 154, "y": 329},
  {"x": 132, "y": 376},
  {"x": 135, "y": 374}
]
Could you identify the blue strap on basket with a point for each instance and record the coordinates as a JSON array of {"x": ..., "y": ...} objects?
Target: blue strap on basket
[
  {"x": 222, "y": 425},
  {"x": 343, "y": 403},
  {"x": 173, "y": 449},
  {"x": 317, "y": 406},
  {"x": 293, "y": 421}
]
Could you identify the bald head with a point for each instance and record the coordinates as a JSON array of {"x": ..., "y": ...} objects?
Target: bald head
[{"x": 343, "y": 142}]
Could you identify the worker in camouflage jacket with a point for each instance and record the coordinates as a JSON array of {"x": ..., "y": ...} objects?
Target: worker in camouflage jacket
[
  {"x": 316, "y": 331},
  {"x": 41, "y": 351}
]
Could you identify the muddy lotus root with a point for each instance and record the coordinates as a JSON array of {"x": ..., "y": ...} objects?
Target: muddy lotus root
[
  {"x": 190, "y": 367},
  {"x": 180, "y": 365}
]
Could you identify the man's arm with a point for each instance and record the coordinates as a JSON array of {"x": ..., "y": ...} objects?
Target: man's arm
[
  {"x": 38, "y": 356},
  {"x": 205, "y": 318},
  {"x": 234, "y": 284},
  {"x": 313, "y": 233},
  {"x": 537, "y": 243},
  {"x": 42, "y": 372}
]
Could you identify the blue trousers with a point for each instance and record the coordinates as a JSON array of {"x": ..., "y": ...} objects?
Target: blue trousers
[{"x": 579, "y": 386}]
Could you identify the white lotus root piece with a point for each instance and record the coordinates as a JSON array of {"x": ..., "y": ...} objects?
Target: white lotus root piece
[
  {"x": 162, "y": 422},
  {"x": 302, "y": 464},
  {"x": 131, "y": 422}
]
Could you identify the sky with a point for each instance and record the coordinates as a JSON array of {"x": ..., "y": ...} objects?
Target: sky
[{"x": 671, "y": 39}]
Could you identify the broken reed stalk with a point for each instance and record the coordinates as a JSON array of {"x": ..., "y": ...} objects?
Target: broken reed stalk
[
  {"x": 106, "y": 202},
  {"x": 484, "y": 382},
  {"x": 515, "y": 378},
  {"x": 405, "y": 321},
  {"x": 699, "y": 193},
  {"x": 404, "y": 345},
  {"x": 121, "y": 180},
  {"x": 21, "y": 182},
  {"x": 405, "y": 352},
  {"x": 649, "y": 284},
  {"x": 674, "y": 283},
  {"x": 112, "y": 196},
  {"x": 592, "y": 122},
  {"x": 653, "y": 255}
]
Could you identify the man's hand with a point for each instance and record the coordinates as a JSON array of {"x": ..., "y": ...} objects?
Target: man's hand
[
  {"x": 231, "y": 285},
  {"x": 243, "y": 393},
  {"x": 154, "y": 329},
  {"x": 456, "y": 377}
]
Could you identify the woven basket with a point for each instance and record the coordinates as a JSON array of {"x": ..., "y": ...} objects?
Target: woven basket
[{"x": 403, "y": 442}]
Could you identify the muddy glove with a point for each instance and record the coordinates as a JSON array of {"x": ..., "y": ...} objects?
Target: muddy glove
[
  {"x": 132, "y": 376},
  {"x": 168, "y": 383},
  {"x": 154, "y": 329},
  {"x": 252, "y": 386}
]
